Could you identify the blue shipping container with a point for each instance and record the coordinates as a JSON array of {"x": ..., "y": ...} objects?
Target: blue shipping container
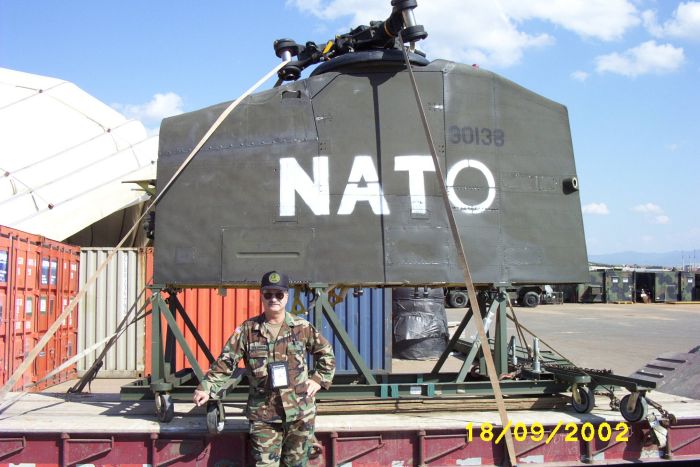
[{"x": 367, "y": 320}]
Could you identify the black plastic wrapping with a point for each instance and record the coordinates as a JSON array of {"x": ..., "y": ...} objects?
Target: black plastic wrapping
[{"x": 419, "y": 323}]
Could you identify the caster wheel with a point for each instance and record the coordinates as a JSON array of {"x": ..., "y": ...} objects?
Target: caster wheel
[
  {"x": 641, "y": 408},
  {"x": 215, "y": 418},
  {"x": 165, "y": 408},
  {"x": 587, "y": 398}
]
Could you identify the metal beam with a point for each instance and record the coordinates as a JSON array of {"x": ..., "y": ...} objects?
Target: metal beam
[
  {"x": 473, "y": 352},
  {"x": 453, "y": 342},
  {"x": 323, "y": 304},
  {"x": 176, "y": 305},
  {"x": 501, "y": 334},
  {"x": 172, "y": 325}
]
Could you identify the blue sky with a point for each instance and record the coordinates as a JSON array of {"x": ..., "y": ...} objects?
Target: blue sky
[{"x": 628, "y": 71}]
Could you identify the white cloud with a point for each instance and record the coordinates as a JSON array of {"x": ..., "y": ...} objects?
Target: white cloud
[
  {"x": 646, "y": 58},
  {"x": 600, "y": 209},
  {"x": 153, "y": 111},
  {"x": 489, "y": 33},
  {"x": 685, "y": 23},
  {"x": 579, "y": 75},
  {"x": 653, "y": 213},
  {"x": 648, "y": 208},
  {"x": 600, "y": 19}
]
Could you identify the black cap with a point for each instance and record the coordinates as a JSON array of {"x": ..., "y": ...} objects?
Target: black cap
[{"x": 274, "y": 279}]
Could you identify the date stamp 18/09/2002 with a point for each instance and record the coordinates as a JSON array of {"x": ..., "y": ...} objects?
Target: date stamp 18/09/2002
[{"x": 536, "y": 432}]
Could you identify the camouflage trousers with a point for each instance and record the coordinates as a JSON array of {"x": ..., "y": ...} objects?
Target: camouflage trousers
[{"x": 282, "y": 444}]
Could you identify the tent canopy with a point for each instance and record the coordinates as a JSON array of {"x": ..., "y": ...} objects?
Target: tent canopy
[{"x": 64, "y": 156}]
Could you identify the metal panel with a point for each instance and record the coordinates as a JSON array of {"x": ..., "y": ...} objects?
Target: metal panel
[
  {"x": 592, "y": 291},
  {"x": 686, "y": 286},
  {"x": 665, "y": 286},
  {"x": 301, "y": 172},
  {"x": 619, "y": 286},
  {"x": 117, "y": 292},
  {"x": 366, "y": 317}
]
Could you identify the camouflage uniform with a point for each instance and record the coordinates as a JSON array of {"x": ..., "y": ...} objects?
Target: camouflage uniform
[{"x": 284, "y": 417}]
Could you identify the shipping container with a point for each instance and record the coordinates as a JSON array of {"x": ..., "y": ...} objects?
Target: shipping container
[
  {"x": 666, "y": 286},
  {"x": 117, "y": 295},
  {"x": 31, "y": 269},
  {"x": 5, "y": 308},
  {"x": 660, "y": 286},
  {"x": 365, "y": 314},
  {"x": 592, "y": 291},
  {"x": 686, "y": 286},
  {"x": 619, "y": 286}
]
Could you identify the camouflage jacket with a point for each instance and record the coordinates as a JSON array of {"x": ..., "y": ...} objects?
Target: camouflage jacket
[{"x": 252, "y": 342}]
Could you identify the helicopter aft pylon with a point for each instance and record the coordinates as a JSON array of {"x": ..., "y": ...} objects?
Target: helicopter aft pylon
[{"x": 351, "y": 105}]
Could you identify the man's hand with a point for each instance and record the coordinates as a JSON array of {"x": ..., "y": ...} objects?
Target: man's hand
[
  {"x": 312, "y": 387},
  {"x": 200, "y": 397}
]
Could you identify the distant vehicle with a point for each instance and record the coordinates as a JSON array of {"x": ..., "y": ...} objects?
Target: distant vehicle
[{"x": 524, "y": 295}]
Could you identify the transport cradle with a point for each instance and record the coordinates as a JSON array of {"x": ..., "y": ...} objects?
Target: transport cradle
[{"x": 538, "y": 373}]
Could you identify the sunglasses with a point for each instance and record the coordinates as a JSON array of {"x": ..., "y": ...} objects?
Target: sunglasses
[{"x": 277, "y": 295}]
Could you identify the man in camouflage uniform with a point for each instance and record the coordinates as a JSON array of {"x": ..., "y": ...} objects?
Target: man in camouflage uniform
[{"x": 281, "y": 404}]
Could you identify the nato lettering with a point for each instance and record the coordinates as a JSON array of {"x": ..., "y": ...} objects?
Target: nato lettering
[
  {"x": 476, "y": 135},
  {"x": 363, "y": 170},
  {"x": 363, "y": 185},
  {"x": 315, "y": 192}
]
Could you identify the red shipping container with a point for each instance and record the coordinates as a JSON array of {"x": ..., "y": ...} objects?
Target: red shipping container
[
  {"x": 31, "y": 288},
  {"x": 215, "y": 318},
  {"x": 3, "y": 357}
]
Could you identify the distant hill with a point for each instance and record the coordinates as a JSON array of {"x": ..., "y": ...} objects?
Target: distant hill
[{"x": 669, "y": 259}]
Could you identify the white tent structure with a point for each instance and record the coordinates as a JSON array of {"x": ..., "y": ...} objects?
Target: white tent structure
[{"x": 64, "y": 156}]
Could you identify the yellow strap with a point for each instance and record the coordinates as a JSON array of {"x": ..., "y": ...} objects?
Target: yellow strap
[{"x": 328, "y": 47}]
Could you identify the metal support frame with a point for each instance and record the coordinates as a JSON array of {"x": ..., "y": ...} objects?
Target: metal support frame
[
  {"x": 179, "y": 385},
  {"x": 163, "y": 364},
  {"x": 496, "y": 309},
  {"x": 324, "y": 306},
  {"x": 163, "y": 377},
  {"x": 501, "y": 346}
]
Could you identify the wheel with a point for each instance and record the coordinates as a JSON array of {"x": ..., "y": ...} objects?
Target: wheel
[
  {"x": 587, "y": 400},
  {"x": 215, "y": 418},
  {"x": 458, "y": 299},
  {"x": 531, "y": 299},
  {"x": 641, "y": 408},
  {"x": 165, "y": 409}
]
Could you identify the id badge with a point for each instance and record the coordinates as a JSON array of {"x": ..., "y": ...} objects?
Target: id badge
[{"x": 279, "y": 373}]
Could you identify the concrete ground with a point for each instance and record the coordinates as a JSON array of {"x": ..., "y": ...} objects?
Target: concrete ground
[
  {"x": 597, "y": 335},
  {"x": 618, "y": 337}
]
